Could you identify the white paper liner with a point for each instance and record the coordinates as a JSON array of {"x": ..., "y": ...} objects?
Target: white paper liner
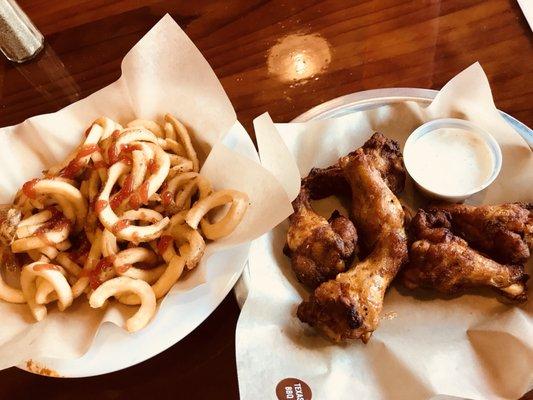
[
  {"x": 470, "y": 346},
  {"x": 164, "y": 72}
]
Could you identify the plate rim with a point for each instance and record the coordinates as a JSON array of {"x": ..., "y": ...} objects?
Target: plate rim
[{"x": 384, "y": 96}]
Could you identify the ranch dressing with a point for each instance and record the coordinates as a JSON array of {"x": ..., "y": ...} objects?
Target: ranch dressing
[{"x": 451, "y": 161}]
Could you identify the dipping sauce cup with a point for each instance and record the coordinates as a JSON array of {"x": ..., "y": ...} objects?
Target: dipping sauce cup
[{"x": 452, "y": 159}]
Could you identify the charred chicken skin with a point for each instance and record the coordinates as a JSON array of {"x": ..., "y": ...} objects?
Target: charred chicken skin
[
  {"x": 324, "y": 182},
  {"x": 504, "y": 232},
  {"x": 383, "y": 153},
  {"x": 319, "y": 248},
  {"x": 441, "y": 260},
  {"x": 348, "y": 307}
]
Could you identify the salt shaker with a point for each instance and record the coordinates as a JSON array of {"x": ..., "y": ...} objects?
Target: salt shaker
[{"x": 20, "y": 40}]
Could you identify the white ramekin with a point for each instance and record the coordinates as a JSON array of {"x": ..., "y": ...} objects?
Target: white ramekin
[{"x": 453, "y": 123}]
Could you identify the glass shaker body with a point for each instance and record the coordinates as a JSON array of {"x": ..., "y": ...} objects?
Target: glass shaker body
[{"x": 20, "y": 40}]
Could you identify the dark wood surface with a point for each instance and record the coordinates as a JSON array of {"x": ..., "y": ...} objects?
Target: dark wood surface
[{"x": 282, "y": 56}]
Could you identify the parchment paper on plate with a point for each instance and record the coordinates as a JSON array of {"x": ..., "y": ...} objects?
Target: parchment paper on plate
[
  {"x": 469, "y": 346},
  {"x": 164, "y": 72}
]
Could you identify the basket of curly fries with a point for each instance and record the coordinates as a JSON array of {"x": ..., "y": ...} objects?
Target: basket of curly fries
[{"x": 134, "y": 206}]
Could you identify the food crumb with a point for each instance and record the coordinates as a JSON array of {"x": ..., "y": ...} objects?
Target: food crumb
[
  {"x": 37, "y": 368},
  {"x": 389, "y": 315}
]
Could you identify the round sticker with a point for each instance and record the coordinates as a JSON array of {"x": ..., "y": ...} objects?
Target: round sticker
[{"x": 293, "y": 389}]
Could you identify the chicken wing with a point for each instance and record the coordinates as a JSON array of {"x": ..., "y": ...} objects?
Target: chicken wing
[
  {"x": 324, "y": 182},
  {"x": 348, "y": 307},
  {"x": 438, "y": 259},
  {"x": 502, "y": 231},
  {"x": 319, "y": 248},
  {"x": 383, "y": 153}
]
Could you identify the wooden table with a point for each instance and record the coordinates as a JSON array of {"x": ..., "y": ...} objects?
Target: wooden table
[{"x": 283, "y": 56}]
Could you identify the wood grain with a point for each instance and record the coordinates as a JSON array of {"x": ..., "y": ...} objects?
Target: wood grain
[{"x": 349, "y": 45}]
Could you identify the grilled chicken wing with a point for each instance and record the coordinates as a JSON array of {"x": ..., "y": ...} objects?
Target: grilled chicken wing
[
  {"x": 324, "y": 182},
  {"x": 348, "y": 307},
  {"x": 505, "y": 232},
  {"x": 384, "y": 156},
  {"x": 319, "y": 249},
  {"x": 439, "y": 259},
  {"x": 383, "y": 153}
]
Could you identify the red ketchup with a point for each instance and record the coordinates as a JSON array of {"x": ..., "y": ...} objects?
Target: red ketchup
[
  {"x": 46, "y": 267},
  {"x": 97, "y": 274},
  {"x": 120, "y": 225},
  {"x": 121, "y": 269},
  {"x": 126, "y": 159},
  {"x": 99, "y": 164},
  {"x": 140, "y": 196},
  {"x": 112, "y": 154},
  {"x": 166, "y": 197},
  {"x": 87, "y": 150},
  {"x": 163, "y": 243},
  {"x": 152, "y": 166},
  {"x": 99, "y": 206},
  {"x": 29, "y": 188},
  {"x": 86, "y": 133},
  {"x": 121, "y": 153},
  {"x": 129, "y": 148},
  {"x": 143, "y": 192},
  {"x": 123, "y": 193},
  {"x": 135, "y": 202},
  {"x": 73, "y": 167}
]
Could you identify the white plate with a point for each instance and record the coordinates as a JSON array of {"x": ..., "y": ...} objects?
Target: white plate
[{"x": 114, "y": 349}]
